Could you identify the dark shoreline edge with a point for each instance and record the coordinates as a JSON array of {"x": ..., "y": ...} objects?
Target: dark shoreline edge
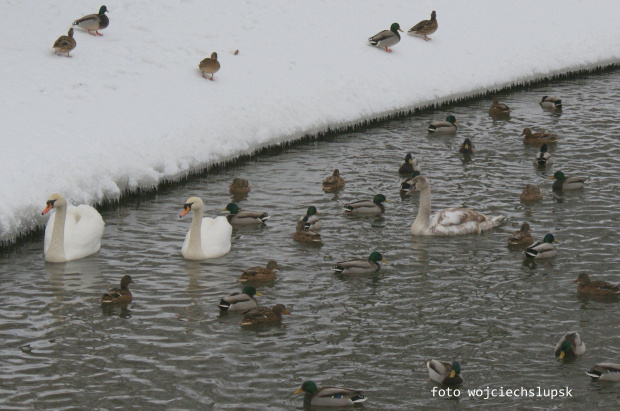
[{"x": 10, "y": 246}]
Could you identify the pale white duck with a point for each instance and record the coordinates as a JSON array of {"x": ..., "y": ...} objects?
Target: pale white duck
[
  {"x": 207, "y": 237},
  {"x": 71, "y": 232},
  {"x": 451, "y": 221}
]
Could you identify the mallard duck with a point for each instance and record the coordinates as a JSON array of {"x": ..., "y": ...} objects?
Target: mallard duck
[
  {"x": 531, "y": 193},
  {"x": 467, "y": 147},
  {"x": 239, "y": 186},
  {"x": 304, "y": 235},
  {"x": 542, "y": 249},
  {"x": 242, "y": 301},
  {"x": 406, "y": 186},
  {"x": 238, "y": 217},
  {"x": 209, "y": 65},
  {"x": 522, "y": 237},
  {"x": 564, "y": 183},
  {"x": 445, "y": 373},
  {"x": 605, "y": 371},
  {"x": 543, "y": 158},
  {"x": 570, "y": 346},
  {"x": 311, "y": 220},
  {"x": 587, "y": 286},
  {"x": 498, "y": 109},
  {"x": 94, "y": 22},
  {"x": 118, "y": 296},
  {"x": 425, "y": 27},
  {"x": 386, "y": 38},
  {"x": 360, "y": 266},
  {"x": 550, "y": 102},
  {"x": 329, "y": 396},
  {"x": 265, "y": 315},
  {"x": 451, "y": 221},
  {"x": 443, "y": 127},
  {"x": 365, "y": 207},
  {"x": 538, "y": 139},
  {"x": 255, "y": 274},
  {"x": 65, "y": 44},
  {"x": 333, "y": 183},
  {"x": 410, "y": 165}
]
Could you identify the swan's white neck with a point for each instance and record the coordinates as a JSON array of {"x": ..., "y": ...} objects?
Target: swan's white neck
[
  {"x": 56, "y": 250},
  {"x": 420, "y": 225},
  {"x": 194, "y": 247}
]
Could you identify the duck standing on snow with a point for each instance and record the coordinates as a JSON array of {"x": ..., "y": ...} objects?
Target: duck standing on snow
[
  {"x": 443, "y": 127},
  {"x": 71, "y": 232},
  {"x": 94, "y": 22},
  {"x": 425, "y": 27},
  {"x": 550, "y": 102},
  {"x": 587, "y": 286},
  {"x": 563, "y": 183},
  {"x": 333, "y": 183},
  {"x": 366, "y": 207},
  {"x": 451, "y": 221},
  {"x": 605, "y": 371},
  {"x": 65, "y": 44},
  {"x": 543, "y": 158},
  {"x": 118, "y": 296},
  {"x": 360, "y": 266},
  {"x": 498, "y": 109},
  {"x": 386, "y": 38},
  {"x": 570, "y": 346},
  {"x": 209, "y": 65},
  {"x": 410, "y": 165},
  {"x": 445, "y": 373},
  {"x": 542, "y": 249},
  {"x": 329, "y": 396},
  {"x": 238, "y": 217},
  {"x": 207, "y": 237}
]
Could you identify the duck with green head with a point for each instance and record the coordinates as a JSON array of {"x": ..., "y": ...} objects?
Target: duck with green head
[
  {"x": 570, "y": 346},
  {"x": 386, "y": 38},
  {"x": 311, "y": 220},
  {"x": 360, "y": 266},
  {"x": 410, "y": 165},
  {"x": 443, "y": 127},
  {"x": 94, "y": 22},
  {"x": 563, "y": 183},
  {"x": 238, "y": 217},
  {"x": 445, "y": 373},
  {"x": 366, "y": 207},
  {"x": 542, "y": 249},
  {"x": 329, "y": 396},
  {"x": 243, "y": 301}
]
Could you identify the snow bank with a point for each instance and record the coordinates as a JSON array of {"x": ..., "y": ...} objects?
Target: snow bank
[{"x": 130, "y": 109}]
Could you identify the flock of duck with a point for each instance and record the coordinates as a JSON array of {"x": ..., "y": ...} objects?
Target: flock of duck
[{"x": 75, "y": 232}]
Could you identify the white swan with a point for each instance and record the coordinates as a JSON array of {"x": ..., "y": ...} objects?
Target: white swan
[
  {"x": 207, "y": 237},
  {"x": 451, "y": 221},
  {"x": 71, "y": 232}
]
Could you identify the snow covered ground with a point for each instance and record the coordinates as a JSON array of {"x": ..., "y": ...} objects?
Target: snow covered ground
[{"x": 130, "y": 109}]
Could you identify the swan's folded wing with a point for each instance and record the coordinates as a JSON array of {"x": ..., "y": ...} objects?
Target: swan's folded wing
[
  {"x": 83, "y": 231},
  {"x": 216, "y": 236}
]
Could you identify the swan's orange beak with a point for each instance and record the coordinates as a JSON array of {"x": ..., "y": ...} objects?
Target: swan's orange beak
[
  {"x": 186, "y": 209},
  {"x": 47, "y": 209}
]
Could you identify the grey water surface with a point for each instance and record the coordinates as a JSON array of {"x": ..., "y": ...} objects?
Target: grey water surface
[{"x": 466, "y": 298}]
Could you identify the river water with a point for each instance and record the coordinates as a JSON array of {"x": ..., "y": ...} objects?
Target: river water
[{"x": 466, "y": 298}]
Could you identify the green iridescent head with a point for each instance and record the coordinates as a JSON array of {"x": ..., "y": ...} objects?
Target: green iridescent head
[
  {"x": 375, "y": 256},
  {"x": 549, "y": 238},
  {"x": 395, "y": 27},
  {"x": 102, "y": 10},
  {"x": 451, "y": 119},
  {"x": 312, "y": 211},
  {"x": 559, "y": 176},
  {"x": 379, "y": 198},
  {"x": 309, "y": 387},
  {"x": 233, "y": 208}
]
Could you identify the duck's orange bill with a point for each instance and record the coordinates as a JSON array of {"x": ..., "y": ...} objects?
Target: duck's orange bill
[{"x": 299, "y": 391}]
